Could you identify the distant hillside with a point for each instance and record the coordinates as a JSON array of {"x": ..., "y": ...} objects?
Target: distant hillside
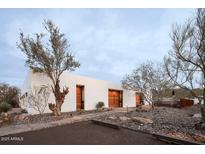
[{"x": 179, "y": 93}]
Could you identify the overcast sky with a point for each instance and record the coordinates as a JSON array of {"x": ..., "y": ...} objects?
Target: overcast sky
[{"x": 108, "y": 42}]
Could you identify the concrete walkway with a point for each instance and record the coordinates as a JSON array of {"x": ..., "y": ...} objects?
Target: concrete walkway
[{"x": 13, "y": 129}]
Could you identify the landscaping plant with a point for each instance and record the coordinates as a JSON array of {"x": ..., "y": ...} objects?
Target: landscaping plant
[
  {"x": 146, "y": 79},
  {"x": 51, "y": 57},
  {"x": 9, "y": 94},
  {"x": 100, "y": 105},
  {"x": 185, "y": 64},
  {"x": 37, "y": 99},
  {"x": 4, "y": 107}
]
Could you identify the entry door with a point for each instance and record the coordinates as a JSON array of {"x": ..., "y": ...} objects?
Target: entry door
[
  {"x": 79, "y": 98},
  {"x": 115, "y": 98},
  {"x": 138, "y": 99}
]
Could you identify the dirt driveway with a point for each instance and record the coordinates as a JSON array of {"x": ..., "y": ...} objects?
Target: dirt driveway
[{"x": 80, "y": 133}]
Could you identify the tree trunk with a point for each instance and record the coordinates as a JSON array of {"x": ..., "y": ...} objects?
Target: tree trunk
[
  {"x": 203, "y": 114},
  {"x": 203, "y": 107},
  {"x": 58, "y": 107},
  {"x": 201, "y": 125},
  {"x": 59, "y": 99},
  {"x": 148, "y": 98}
]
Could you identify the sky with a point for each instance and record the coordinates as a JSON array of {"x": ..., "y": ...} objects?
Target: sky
[{"x": 108, "y": 43}]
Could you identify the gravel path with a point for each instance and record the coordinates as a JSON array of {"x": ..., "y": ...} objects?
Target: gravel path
[
  {"x": 168, "y": 121},
  {"x": 48, "y": 117}
]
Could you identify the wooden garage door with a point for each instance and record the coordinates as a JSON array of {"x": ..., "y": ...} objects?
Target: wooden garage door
[{"x": 115, "y": 98}]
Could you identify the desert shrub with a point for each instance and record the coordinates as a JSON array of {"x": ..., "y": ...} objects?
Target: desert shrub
[
  {"x": 37, "y": 99},
  {"x": 24, "y": 111},
  {"x": 9, "y": 94},
  {"x": 100, "y": 105},
  {"x": 4, "y": 107}
]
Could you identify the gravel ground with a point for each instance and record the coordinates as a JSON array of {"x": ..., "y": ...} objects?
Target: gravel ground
[
  {"x": 173, "y": 122},
  {"x": 48, "y": 117},
  {"x": 167, "y": 121}
]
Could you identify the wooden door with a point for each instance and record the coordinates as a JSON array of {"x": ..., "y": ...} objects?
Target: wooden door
[
  {"x": 115, "y": 98},
  {"x": 78, "y": 97},
  {"x": 138, "y": 98}
]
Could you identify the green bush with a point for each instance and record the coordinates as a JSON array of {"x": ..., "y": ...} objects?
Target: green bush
[
  {"x": 24, "y": 111},
  {"x": 4, "y": 107},
  {"x": 100, "y": 105}
]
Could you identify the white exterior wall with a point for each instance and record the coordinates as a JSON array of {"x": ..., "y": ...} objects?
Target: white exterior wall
[
  {"x": 94, "y": 91},
  {"x": 196, "y": 101}
]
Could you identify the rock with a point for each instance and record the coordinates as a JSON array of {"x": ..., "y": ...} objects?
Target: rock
[
  {"x": 199, "y": 138},
  {"x": 11, "y": 115},
  {"x": 5, "y": 117},
  {"x": 180, "y": 135},
  {"x": 123, "y": 118},
  {"x": 2, "y": 114},
  {"x": 105, "y": 108},
  {"x": 142, "y": 120},
  {"x": 100, "y": 109},
  {"x": 200, "y": 126},
  {"x": 15, "y": 111},
  {"x": 197, "y": 115},
  {"x": 23, "y": 116},
  {"x": 112, "y": 117},
  {"x": 145, "y": 108},
  {"x": 1, "y": 123},
  {"x": 16, "y": 118}
]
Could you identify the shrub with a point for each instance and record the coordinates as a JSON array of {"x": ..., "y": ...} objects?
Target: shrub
[
  {"x": 24, "y": 111},
  {"x": 100, "y": 105},
  {"x": 4, "y": 107},
  {"x": 9, "y": 94},
  {"x": 37, "y": 99}
]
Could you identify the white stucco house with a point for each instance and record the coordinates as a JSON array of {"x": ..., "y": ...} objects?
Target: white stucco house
[{"x": 84, "y": 92}]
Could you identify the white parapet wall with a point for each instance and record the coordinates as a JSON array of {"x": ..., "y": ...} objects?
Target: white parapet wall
[{"x": 94, "y": 91}]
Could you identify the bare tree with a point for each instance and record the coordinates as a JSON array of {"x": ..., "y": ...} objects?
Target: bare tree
[
  {"x": 145, "y": 79},
  {"x": 185, "y": 64},
  {"x": 51, "y": 57},
  {"x": 37, "y": 99}
]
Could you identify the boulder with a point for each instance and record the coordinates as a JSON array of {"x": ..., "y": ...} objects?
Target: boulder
[
  {"x": 16, "y": 118},
  {"x": 197, "y": 115},
  {"x": 124, "y": 118},
  {"x": 200, "y": 126},
  {"x": 105, "y": 108},
  {"x": 112, "y": 117},
  {"x": 2, "y": 114},
  {"x": 199, "y": 138},
  {"x": 15, "y": 111},
  {"x": 11, "y": 115},
  {"x": 23, "y": 116},
  {"x": 142, "y": 120},
  {"x": 5, "y": 117}
]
